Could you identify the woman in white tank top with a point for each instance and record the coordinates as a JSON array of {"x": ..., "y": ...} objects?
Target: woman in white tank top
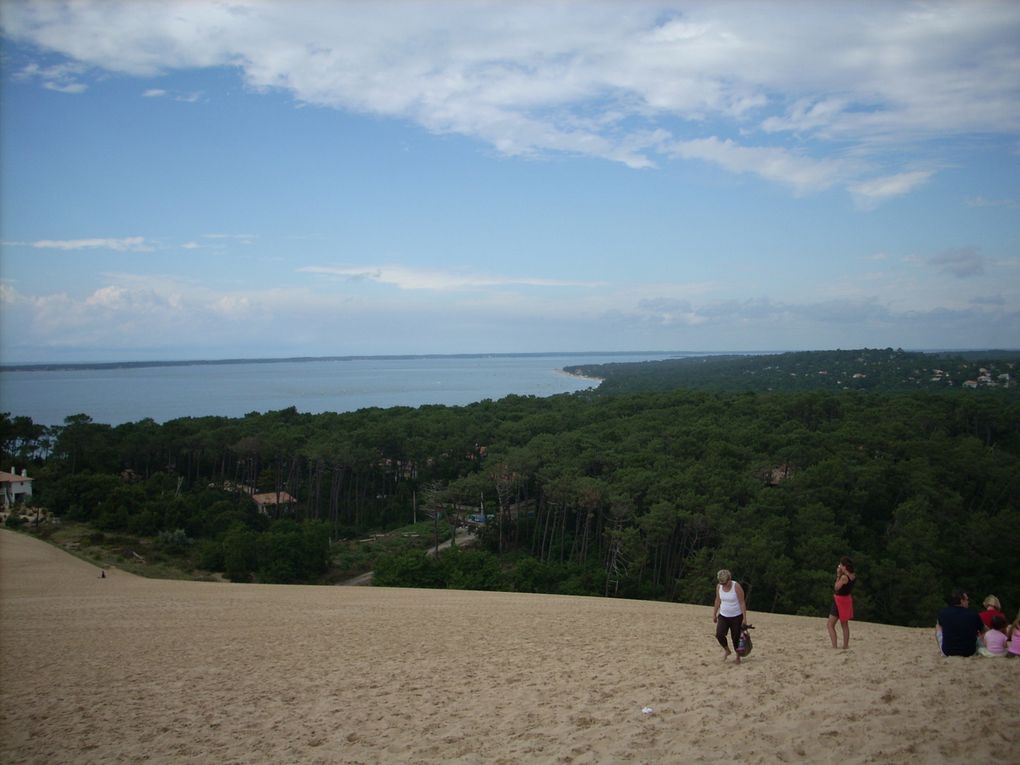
[{"x": 730, "y": 611}]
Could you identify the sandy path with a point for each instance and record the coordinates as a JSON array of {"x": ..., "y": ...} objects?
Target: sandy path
[{"x": 126, "y": 669}]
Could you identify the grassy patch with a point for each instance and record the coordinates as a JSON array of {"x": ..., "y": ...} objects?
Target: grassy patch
[
  {"x": 356, "y": 556},
  {"x": 140, "y": 556},
  {"x": 136, "y": 555}
]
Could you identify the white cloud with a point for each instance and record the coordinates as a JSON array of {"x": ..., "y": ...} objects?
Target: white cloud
[
  {"x": 871, "y": 192},
  {"x": 8, "y": 295},
  {"x": 62, "y": 78},
  {"x": 242, "y": 238},
  {"x": 670, "y": 312},
  {"x": 107, "y": 297},
  {"x": 124, "y": 244},
  {"x": 66, "y": 87},
  {"x": 772, "y": 163},
  {"x": 190, "y": 98},
  {"x": 233, "y": 306},
  {"x": 412, "y": 279},
  {"x": 872, "y": 80}
]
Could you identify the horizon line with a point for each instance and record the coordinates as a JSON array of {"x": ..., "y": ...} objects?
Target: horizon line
[{"x": 140, "y": 364}]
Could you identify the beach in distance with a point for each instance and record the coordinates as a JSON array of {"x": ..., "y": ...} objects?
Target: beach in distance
[{"x": 127, "y": 669}]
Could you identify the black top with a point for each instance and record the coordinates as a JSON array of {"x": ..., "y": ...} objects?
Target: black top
[
  {"x": 960, "y": 628},
  {"x": 847, "y": 588}
]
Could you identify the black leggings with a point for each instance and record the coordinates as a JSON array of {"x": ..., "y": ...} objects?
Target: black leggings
[{"x": 731, "y": 624}]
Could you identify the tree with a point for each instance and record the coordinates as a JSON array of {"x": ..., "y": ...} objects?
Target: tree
[
  {"x": 240, "y": 557},
  {"x": 908, "y": 578}
]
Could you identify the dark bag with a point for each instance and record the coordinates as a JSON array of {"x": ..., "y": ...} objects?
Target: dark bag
[{"x": 744, "y": 645}]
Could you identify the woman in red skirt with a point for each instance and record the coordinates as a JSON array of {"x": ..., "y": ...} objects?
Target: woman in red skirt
[{"x": 842, "y": 609}]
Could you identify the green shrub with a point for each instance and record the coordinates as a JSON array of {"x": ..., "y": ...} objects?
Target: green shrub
[
  {"x": 408, "y": 569},
  {"x": 174, "y": 542},
  {"x": 468, "y": 569},
  {"x": 531, "y": 575},
  {"x": 209, "y": 555}
]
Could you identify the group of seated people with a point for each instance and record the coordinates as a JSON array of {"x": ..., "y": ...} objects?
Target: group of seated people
[{"x": 962, "y": 632}]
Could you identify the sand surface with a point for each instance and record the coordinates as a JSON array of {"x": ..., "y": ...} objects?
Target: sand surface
[{"x": 126, "y": 669}]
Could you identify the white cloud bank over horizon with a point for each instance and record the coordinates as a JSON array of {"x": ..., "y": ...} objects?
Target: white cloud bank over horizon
[
  {"x": 724, "y": 83},
  {"x": 131, "y": 313},
  {"x": 415, "y": 279}
]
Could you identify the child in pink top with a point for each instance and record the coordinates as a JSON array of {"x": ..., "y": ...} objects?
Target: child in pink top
[
  {"x": 993, "y": 642},
  {"x": 1013, "y": 649}
]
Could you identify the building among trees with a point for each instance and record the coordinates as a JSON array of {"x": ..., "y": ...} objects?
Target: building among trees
[{"x": 16, "y": 488}]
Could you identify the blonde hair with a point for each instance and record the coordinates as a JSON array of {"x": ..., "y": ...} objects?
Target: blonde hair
[
  {"x": 723, "y": 575},
  {"x": 992, "y": 601}
]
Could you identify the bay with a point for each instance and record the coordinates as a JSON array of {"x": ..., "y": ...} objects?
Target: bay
[{"x": 115, "y": 395}]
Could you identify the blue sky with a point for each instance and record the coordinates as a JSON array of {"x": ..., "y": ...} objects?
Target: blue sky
[{"x": 237, "y": 179}]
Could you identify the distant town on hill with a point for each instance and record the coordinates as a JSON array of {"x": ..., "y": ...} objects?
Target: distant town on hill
[{"x": 886, "y": 370}]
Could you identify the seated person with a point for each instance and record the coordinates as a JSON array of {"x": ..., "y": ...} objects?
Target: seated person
[
  {"x": 958, "y": 627},
  {"x": 993, "y": 642},
  {"x": 992, "y": 608},
  {"x": 1013, "y": 633}
]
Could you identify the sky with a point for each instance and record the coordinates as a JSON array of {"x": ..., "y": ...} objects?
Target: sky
[{"x": 202, "y": 180}]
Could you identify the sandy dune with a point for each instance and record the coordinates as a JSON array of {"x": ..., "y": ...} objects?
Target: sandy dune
[{"x": 126, "y": 669}]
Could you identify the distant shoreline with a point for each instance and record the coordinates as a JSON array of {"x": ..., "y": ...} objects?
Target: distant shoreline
[
  {"x": 71, "y": 366},
  {"x": 61, "y": 366}
]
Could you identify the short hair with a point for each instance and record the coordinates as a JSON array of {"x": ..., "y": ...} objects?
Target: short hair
[
  {"x": 992, "y": 601},
  {"x": 956, "y": 597},
  {"x": 847, "y": 564},
  {"x": 723, "y": 575},
  {"x": 998, "y": 622}
]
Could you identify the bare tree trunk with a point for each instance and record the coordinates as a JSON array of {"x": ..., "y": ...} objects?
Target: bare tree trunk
[
  {"x": 587, "y": 531},
  {"x": 539, "y": 508},
  {"x": 313, "y": 491},
  {"x": 545, "y": 531},
  {"x": 563, "y": 533},
  {"x": 577, "y": 535},
  {"x": 336, "y": 483}
]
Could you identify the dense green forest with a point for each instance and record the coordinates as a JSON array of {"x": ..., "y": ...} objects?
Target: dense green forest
[
  {"x": 639, "y": 495},
  {"x": 887, "y": 370}
]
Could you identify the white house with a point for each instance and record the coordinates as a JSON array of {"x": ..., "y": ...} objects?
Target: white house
[{"x": 16, "y": 488}]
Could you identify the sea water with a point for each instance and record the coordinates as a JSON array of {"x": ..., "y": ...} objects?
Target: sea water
[{"x": 115, "y": 395}]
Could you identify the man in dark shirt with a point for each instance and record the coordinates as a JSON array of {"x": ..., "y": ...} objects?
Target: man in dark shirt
[{"x": 958, "y": 627}]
